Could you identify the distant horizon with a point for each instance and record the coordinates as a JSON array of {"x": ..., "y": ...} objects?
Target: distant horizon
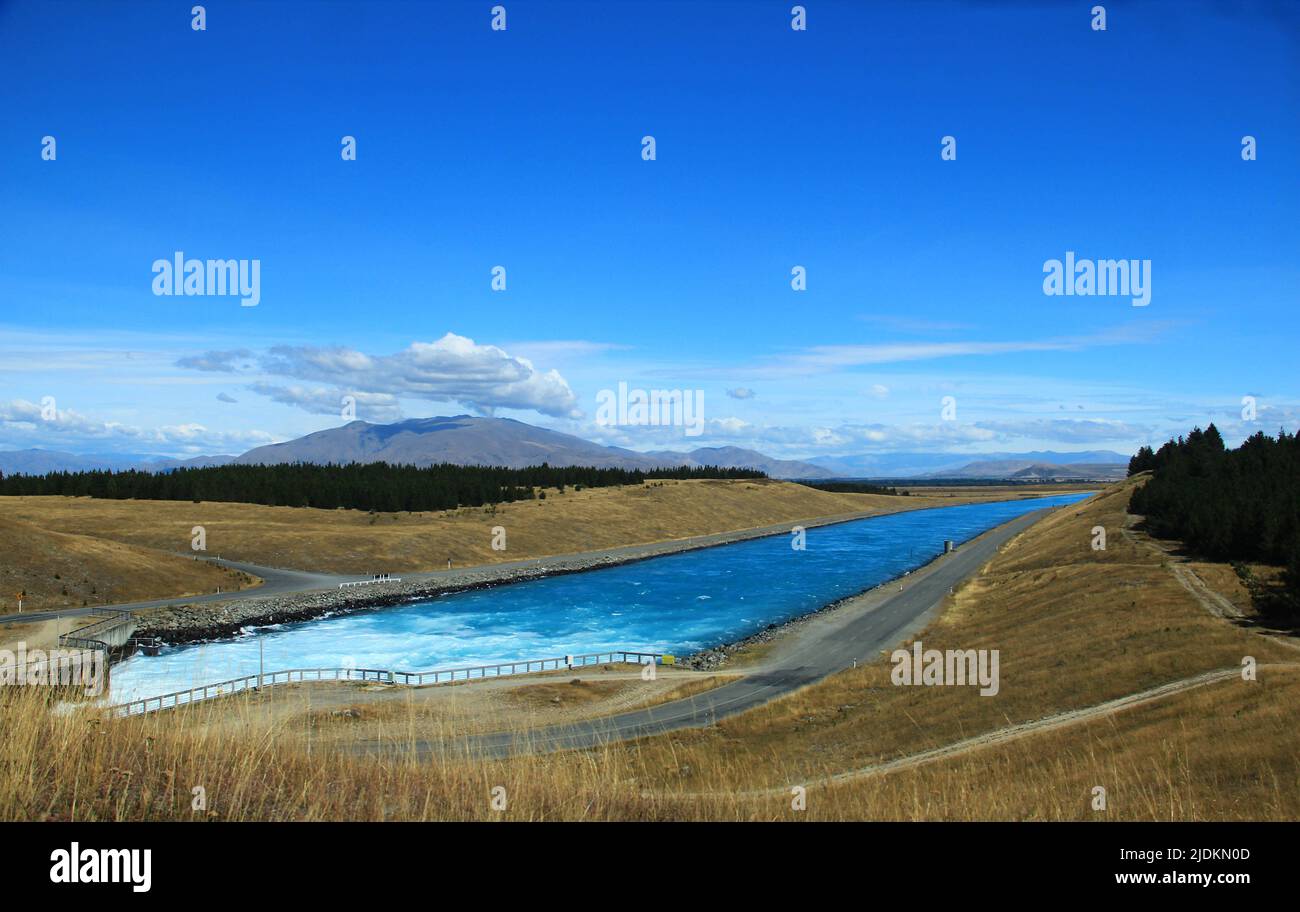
[
  {"x": 843, "y": 465},
  {"x": 813, "y": 458},
  {"x": 143, "y": 456}
]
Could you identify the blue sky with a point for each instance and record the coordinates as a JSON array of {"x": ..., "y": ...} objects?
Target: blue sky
[{"x": 775, "y": 148}]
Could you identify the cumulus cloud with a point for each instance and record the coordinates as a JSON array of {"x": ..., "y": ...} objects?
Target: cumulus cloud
[
  {"x": 378, "y": 407},
  {"x": 452, "y": 369},
  {"x": 23, "y": 424}
]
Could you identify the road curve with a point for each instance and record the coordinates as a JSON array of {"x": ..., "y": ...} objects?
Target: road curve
[
  {"x": 822, "y": 650},
  {"x": 274, "y": 582}
]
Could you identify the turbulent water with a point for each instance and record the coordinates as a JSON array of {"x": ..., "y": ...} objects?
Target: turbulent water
[{"x": 677, "y": 603}]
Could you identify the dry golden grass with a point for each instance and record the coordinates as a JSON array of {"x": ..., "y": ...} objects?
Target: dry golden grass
[
  {"x": 351, "y": 541},
  {"x": 1224, "y": 752},
  {"x": 1075, "y": 628},
  {"x": 39, "y": 634},
  {"x": 350, "y": 713},
  {"x": 61, "y": 569}
]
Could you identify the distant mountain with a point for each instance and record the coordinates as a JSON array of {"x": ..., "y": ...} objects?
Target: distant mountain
[
  {"x": 730, "y": 457},
  {"x": 912, "y": 465},
  {"x": 162, "y": 463},
  {"x": 463, "y": 440},
  {"x": 1022, "y": 470},
  {"x": 466, "y": 440},
  {"x": 42, "y": 462},
  {"x": 888, "y": 465}
]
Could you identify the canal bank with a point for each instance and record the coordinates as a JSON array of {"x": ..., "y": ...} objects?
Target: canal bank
[{"x": 681, "y": 603}]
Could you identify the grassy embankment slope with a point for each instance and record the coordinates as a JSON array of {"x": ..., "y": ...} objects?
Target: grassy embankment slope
[
  {"x": 1075, "y": 628},
  {"x": 63, "y": 568},
  {"x": 121, "y": 550}
]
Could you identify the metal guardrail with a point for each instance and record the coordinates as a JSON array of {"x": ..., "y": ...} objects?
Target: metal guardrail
[
  {"x": 370, "y": 582},
  {"x": 409, "y": 678},
  {"x": 83, "y": 637}
]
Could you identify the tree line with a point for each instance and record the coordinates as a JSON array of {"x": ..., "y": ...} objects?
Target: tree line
[
  {"x": 853, "y": 487},
  {"x": 1241, "y": 505},
  {"x": 376, "y": 486}
]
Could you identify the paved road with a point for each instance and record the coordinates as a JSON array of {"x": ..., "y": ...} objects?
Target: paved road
[
  {"x": 820, "y": 651},
  {"x": 275, "y": 582}
]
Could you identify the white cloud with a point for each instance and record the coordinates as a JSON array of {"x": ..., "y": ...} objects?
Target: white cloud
[
  {"x": 22, "y": 426},
  {"x": 1067, "y": 430},
  {"x": 378, "y": 407},
  {"x": 799, "y": 442},
  {"x": 830, "y": 358},
  {"x": 452, "y": 369}
]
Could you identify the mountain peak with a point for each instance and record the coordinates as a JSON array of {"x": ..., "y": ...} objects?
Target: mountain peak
[{"x": 477, "y": 440}]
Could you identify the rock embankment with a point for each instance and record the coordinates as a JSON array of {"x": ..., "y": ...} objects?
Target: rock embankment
[{"x": 197, "y": 622}]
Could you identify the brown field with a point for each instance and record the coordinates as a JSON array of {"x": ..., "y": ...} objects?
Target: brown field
[
  {"x": 72, "y": 551},
  {"x": 1075, "y": 628},
  {"x": 65, "y": 568},
  {"x": 354, "y": 713}
]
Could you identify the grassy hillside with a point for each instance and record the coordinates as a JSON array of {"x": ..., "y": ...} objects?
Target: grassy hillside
[
  {"x": 1075, "y": 628},
  {"x": 67, "y": 569},
  {"x": 352, "y": 541}
]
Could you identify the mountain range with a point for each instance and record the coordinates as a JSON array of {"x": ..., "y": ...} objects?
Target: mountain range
[
  {"x": 468, "y": 440},
  {"x": 947, "y": 465}
]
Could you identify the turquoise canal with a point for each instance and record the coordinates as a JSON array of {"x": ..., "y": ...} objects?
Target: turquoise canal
[{"x": 679, "y": 603}]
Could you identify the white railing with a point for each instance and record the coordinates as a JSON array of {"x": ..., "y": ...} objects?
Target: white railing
[
  {"x": 371, "y": 582},
  {"x": 409, "y": 678}
]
